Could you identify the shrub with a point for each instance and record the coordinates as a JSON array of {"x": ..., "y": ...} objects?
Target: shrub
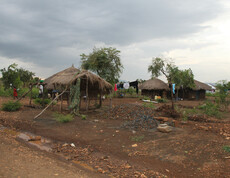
[
  {"x": 149, "y": 105},
  {"x": 226, "y": 148},
  {"x": 161, "y": 100},
  {"x": 11, "y": 106},
  {"x": 83, "y": 117},
  {"x": 211, "y": 109},
  {"x": 137, "y": 138},
  {"x": 41, "y": 101},
  {"x": 63, "y": 118}
]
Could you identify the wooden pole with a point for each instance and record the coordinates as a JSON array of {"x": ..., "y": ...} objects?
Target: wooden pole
[
  {"x": 87, "y": 93},
  {"x": 110, "y": 98},
  {"x": 31, "y": 87},
  {"x": 61, "y": 103}
]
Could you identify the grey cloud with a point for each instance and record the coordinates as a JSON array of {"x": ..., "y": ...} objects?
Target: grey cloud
[{"x": 35, "y": 30}]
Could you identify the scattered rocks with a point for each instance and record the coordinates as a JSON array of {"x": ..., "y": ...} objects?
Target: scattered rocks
[
  {"x": 134, "y": 145},
  {"x": 164, "y": 128}
]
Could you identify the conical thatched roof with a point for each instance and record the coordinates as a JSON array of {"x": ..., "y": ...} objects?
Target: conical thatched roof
[
  {"x": 154, "y": 84},
  {"x": 201, "y": 86},
  {"x": 69, "y": 76}
]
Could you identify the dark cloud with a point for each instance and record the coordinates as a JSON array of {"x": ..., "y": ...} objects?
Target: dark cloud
[{"x": 36, "y": 30}]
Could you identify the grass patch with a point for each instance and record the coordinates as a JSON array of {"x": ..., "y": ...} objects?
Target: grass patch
[
  {"x": 226, "y": 148},
  {"x": 42, "y": 102},
  {"x": 162, "y": 100},
  {"x": 137, "y": 138},
  {"x": 83, "y": 117},
  {"x": 149, "y": 105},
  {"x": 211, "y": 109},
  {"x": 63, "y": 118},
  {"x": 11, "y": 106}
]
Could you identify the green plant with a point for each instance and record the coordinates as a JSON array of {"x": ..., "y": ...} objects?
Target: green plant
[
  {"x": 63, "y": 118},
  {"x": 226, "y": 148},
  {"x": 41, "y": 101},
  {"x": 149, "y": 105},
  {"x": 11, "y": 106},
  {"x": 162, "y": 100},
  {"x": 137, "y": 138},
  {"x": 211, "y": 109},
  {"x": 83, "y": 117}
]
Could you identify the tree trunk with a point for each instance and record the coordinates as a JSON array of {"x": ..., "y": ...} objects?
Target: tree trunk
[{"x": 172, "y": 95}]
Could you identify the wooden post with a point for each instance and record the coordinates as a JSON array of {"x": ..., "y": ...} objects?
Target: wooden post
[
  {"x": 31, "y": 87},
  {"x": 100, "y": 99},
  {"x": 87, "y": 94},
  {"x": 61, "y": 103},
  {"x": 110, "y": 98}
]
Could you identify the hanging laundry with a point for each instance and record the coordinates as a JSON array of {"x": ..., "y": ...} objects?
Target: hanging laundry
[
  {"x": 115, "y": 87},
  {"x": 126, "y": 85}
]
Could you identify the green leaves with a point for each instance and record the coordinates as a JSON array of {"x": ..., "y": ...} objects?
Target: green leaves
[{"x": 105, "y": 62}]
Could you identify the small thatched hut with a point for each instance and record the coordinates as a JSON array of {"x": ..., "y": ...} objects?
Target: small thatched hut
[
  {"x": 195, "y": 93},
  {"x": 154, "y": 87},
  {"x": 90, "y": 85}
]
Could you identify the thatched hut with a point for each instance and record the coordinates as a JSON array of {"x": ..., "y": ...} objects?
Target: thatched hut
[
  {"x": 154, "y": 87},
  {"x": 72, "y": 79},
  {"x": 195, "y": 93}
]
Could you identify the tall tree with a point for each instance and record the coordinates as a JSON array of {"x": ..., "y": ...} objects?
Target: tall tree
[
  {"x": 15, "y": 76},
  {"x": 105, "y": 62},
  {"x": 163, "y": 67},
  {"x": 11, "y": 76}
]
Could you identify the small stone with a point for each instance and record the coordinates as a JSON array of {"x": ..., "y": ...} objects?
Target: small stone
[
  {"x": 96, "y": 120},
  {"x": 65, "y": 144},
  {"x": 164, "y": 129},
  {"x": 117, "y": 131},
  {"x": 72, "y": 144},
  {"x": 166, "y": 170},
  {"x": 134, "y": 145},
  {"x": 127, "y": 166},
  {"x": 101, "y": 170},
  {"x": 143, "y": 176},
  {"x": 133, "y": 131}
]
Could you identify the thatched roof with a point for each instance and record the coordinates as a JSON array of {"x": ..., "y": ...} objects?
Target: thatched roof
[
  {"x": 201, "y": 86},
  {"x": 154, "y": 84},
  {"x": 69, "y": 76}
]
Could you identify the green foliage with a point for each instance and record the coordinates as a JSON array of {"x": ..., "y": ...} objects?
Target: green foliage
[
  {"x": 63, "y": 118},
  {"x": 137, "y": 138},
  {"x": 11, "y": 106},
  {"x": 83, "y": 117},
  {"x": 210, "y": 109},
  {"x": 149, "y": 105},
  {"x": 162, "y": 100},
  {"x": 105, "y": 62},
  {"x": 15, "y": 76},
  {"x": 223, "y": 93},
  {"x": 42, "y": 102},
  {"x": 226, "y": 148},
  {"x": 145, "y": 98}
]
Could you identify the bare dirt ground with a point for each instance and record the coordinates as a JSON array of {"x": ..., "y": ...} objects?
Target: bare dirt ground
[{"x": 119, "y": 142}]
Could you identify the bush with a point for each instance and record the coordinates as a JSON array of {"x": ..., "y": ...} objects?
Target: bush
[
  {"x": 42, "y": 102},
  {"x": 137, "y": 138},
  {"x": 149, "y": 105},
  {"x": 161, "y": 100},
  {"x": 63, "y": 118},
  {"x": 211, "y": 109},
  {"x": 226, "y": 148},
  {"x": 83, "y": 117},
  {"x": 11, "y": 106}
]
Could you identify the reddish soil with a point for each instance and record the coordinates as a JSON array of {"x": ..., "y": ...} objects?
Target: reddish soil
[{"x": 192, "y": 149}]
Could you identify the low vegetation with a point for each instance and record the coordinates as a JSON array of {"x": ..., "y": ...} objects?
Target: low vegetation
[
  {"x": 42, "y": 102},
  {"x": 149, "y": 105},
  {"x": 63, "y": 118},
  {"x": 11, "y": 106},
  {"x": 137, "y": 138},
  {"x": 226, "y": 148}
]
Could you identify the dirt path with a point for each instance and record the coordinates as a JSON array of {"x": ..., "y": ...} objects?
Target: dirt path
[{"x": 18, "y": 160}]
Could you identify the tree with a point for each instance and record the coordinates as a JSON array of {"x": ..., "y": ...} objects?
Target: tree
[
  {"x": 15, "y": 76},
  {"x": 25, "y": 76},
  {"x": 223, "y": 87},
  {"x": 182, "y": 78},
  {"x": 105, "y": 62},
  {"x": 163, "y": 67},
  {"x": 11, "y": 76}
]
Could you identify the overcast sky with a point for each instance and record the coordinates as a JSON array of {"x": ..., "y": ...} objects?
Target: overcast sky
[{"x": 47, "y": 36}]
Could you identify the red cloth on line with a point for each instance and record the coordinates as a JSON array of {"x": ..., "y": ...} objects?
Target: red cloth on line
[
  {"x": 115, "y": 87},
  {"x": 15, "y": 92}
]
